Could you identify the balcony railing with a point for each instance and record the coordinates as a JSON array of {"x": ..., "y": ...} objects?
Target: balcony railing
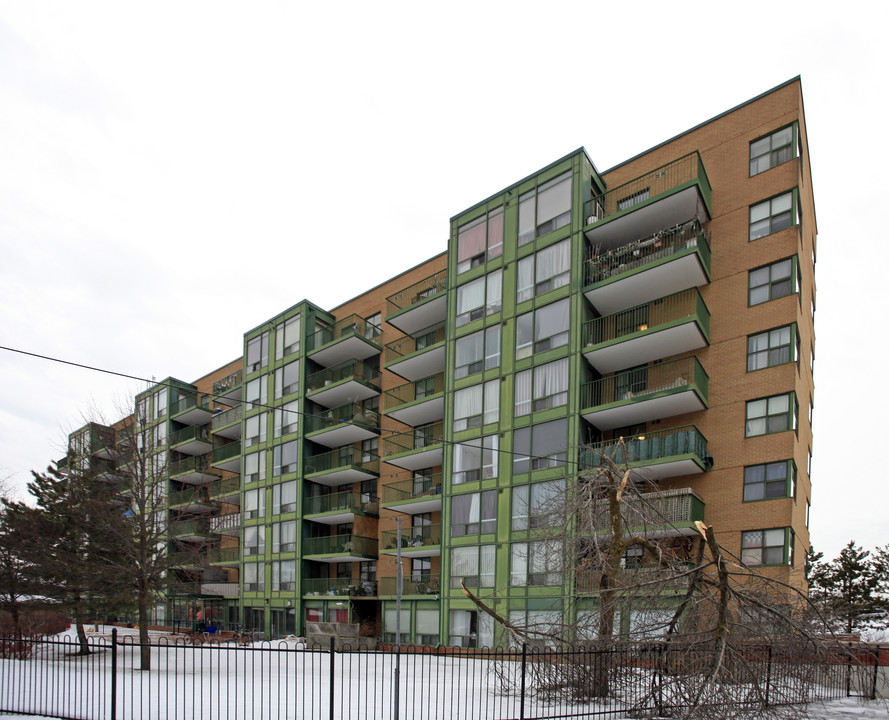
[
  {"x": 349, "y": 413},
  {"x": 354, "y": 369},
  {"x": 225, "y": 522},
  {"x": 191, "y": 432},
  {"x": 646, "y": 382},
  {"x": 339, "y": 586},
  {"x": 187, "y": 402},
  {"x": 197, "y": 464},
  {"x": 187, "y": 559},
  {"x": 340, "y": 544},
  {"x": 412, "y": 391},
  {"x": 414, "y": 537},
  {"x": 229, "y": 556},
  {"x": 655, "y": 512},
  {"x": 353, "y": 502},
  {"x": 229, "y": 382},
  {"x": 421, "y": 438},
  {"x": 225, "y": 488},
  {"x": 226, "y": 452},
  {"x": 183, "y": 497},
  {"x": 353, "y": 325},
  {"x": 417, "y": 293},
  {"x": 651, "y": 186},
  {"x": 655, "y": 248},
  {"x": 227, "y": 417},
  {"x": 408, "y": 345},
  {"x": 340, "y": 458},
  {"x": 412, "y": 488},
  {"x": 411, "y": 585},
  {"x": 197, "y": 527},
  {"x": 647, "y": 447}
]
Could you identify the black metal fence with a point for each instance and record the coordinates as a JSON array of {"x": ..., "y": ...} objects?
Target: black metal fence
[{"x": 286, "y": 680}]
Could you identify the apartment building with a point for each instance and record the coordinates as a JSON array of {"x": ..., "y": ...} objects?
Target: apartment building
[{"x": 668, "y": 301}]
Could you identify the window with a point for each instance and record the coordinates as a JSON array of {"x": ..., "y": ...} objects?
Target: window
[
  {"x": 473, "y": 565},
  {"x": 256, "y": 393},
  {"x": 767, "y": 547},
  {"x": 545, "y": 209},
  {"x": 536, "y": 563},
  {"x": 538, "y": 505},
  {"x": 287, "y": 337},
  {"x": 543, "y": 329},
  {"x": 773, "y": 347},
  {"x": 283, "y": 575},
  {"x": 284, "y": 537},
  {"x": 771, "y": 415},
  {"x": 640, "y": 196},
  {"x": 287, "y": 379},
  {"x": 541, "y": 388},
  {"x": 373, "y": 326},
  {"x": 287, "y": 419},
  {"x": 479, "y": 240},
  {"x": 254, "y": 504},
  {"x": 479, "y": 297},
  {"x": 254, "y": 577},
  {"x": 540, "y": 446},
  {"x": 255, "y": 429},
  {"x": 160, "y": 403},
  {"x": 478, "y": 351},
  {"x": 284, "y": 458},
  {"x": 284, "y": 498},
  {"x": 475, "y": 460},
  {"x": 771, "y": 282},
  {"x": 477, "y": 405},
  {"x": 474, "y": 513},
  {"x": 772, "y": 150},
  {"x": 258, "y": 352},
  {"x": 468, "y": 629},
  {"x": 541, "y": 625},
  {"x": 773, "y": 215},
  {"x": 254, "y": 467},
  {"x": 546, "y": 270},
  {"x": 254, "y": 540},
  {"x": 769, "y": 481},
  {"x": 426, "y": 630}
]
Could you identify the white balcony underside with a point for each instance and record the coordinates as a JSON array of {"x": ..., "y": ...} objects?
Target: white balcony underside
[
  {"x": 421, "y": 316},
  {"x": 342, "y": 393},
  {"x": 419, "y": 365},
  {"x": 353, "y": 347},
  {"x": 333, "y": 518},
  {"x": 415, "y": 507},
  {"x": 667, "y": 469},
  {"x": 633, "y": 413},
  {"x": 194, "y": 416},
  {"x": 337, "y": 558},
  {"x": 676, "y": 340},
  {"x": 420, "y": 413},
  {"x": 194, "y": 447},
  {"x": 414, "y": 552},
  {"x": 418, "y": 460},
  {"x": 343, "y": 434}
]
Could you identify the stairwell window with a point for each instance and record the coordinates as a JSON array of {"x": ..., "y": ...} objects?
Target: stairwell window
[
  {"x": 287, "y": 337},
  {"x": 284, "y": 537},
  {"x": 536, "y": 563},
  {"x": 546, "y": 270},
  {"x": 254, "y": 540},
  {"x": 254, "y": 467},
  {"x": 479, "y": 297},
  {"x": 254, "y": 504},
  {"x": 287, "y": 379},
  {"x": 473, "y": 565},
  {"x": 543, "y": 329},
  {"x": 474, "y": 513},
  {"x": 540, "y": 446},
  {"x": 773, "y": 281},
  {"x": 480, "y": 240},
  {"x": 478, "y": 351},
  {"x": 545, "y": 209},
  {"x": 538, "y": 505},
  {"x": 767, "y": 547},
  {"x": 284, "y": 498},
  {"x": 770, "y": 481},
  {"x": 258, "y": 352},
  {"x": 775, "y": 149},
  {"x": 773, "y": 347},
  {"x": 771, "y": 415},
  {"x": 255, "y": 429},
  {"x": 774, "y": 215},
  {"x": 284, "y": 458},
  {"x": 477, "y": 405},
  {"x": 254, "y": 577},
  {"x": 541, "y": 388},
  {"x": 283, "y": 575}
]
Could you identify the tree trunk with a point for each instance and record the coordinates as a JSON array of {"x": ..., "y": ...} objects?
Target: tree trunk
[{"x": 78, "y": 624}]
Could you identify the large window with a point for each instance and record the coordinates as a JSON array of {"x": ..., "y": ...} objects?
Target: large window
[
  {"x": 773, "y": 215},
  {"x": 254, "y": 467},
  {"x": 256, "y": 392},
  {"x": 543, "y": 329},
  {"x": 255, "y": 429},
  {"x": 771, "y": 282},
  {"x": 474, "y": 513},
  {"x": 479, "y": 297},
  {"x": 772, "y": 415},
  {"x": 769, "y": 481},
  {"x": 772, "y": 150},
  {"x": 284, "y": 537},
  {"x": 287, "y": 379},
  {"x": 767, "y": 547},
  {"x": 254, "y": 504},
  {"x": 287, "y": 337},
  {"x": 542, "y": 387},
  {"x": 538, "y": 505},
  {"x": 546, "y": 270},
  {"x": 254, "y": 577},
  {"x": 773, "y": 347},
  {"x": 287, "y": 419},
  {"x": 284, "y": 458},
  {"x": 479, "y": 240},
  {"x": 258, "y": 352},
  {"x": 470, "y": 629},
  {"x": 475, "y": 460},
  {"x": 254, "y": 540},
  {"x": 540, "y": 446},
  {"x": 477, "y": 405},
  {"x": 478, "y": 351},
  {"x": 283, "y": 575},
  {"x": 544, "y": 209},
  {"x": 284, "y": 497},
  {"x": 536, "y": 563},
  {"x": 473, "y": 565}
]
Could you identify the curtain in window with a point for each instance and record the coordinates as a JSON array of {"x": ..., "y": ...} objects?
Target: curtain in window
[
  {"x": 492, "y": 347},
  {"x": 470, "y": 296},
  {"x": 495, "y": 291},
  {"x": 471, "y": 239},
  {"x": 469, "y": 350},
  {"x": 467, "y": 403},
  {"x": 553, "y": 261},
  {"x": 551, "y": 379},
  {"x": 551, "y": 320},
  {"x": 525, "y": 279},
  {"x": 495, "y": 233},
  {"x": 492, "y": 401},
  {"x": 523, "y": 392},
  {"x": 553, "y": 200},
  {"x": 486, "y": 566},
  {"x": 519, "y": 563}
]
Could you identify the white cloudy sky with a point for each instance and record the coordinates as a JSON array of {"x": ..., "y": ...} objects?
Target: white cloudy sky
[{"x": 173, "y": 173}]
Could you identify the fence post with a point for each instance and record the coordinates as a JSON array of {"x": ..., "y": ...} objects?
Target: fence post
[
  {"x": 524, "y": 666},
  {"x": 114, "y": 674},
  {"x": 332, "y": 656},
  {"x": 768, "y": 675},
  {"x": 873, "y": 687},
  {"x": 661, "y": 651}
]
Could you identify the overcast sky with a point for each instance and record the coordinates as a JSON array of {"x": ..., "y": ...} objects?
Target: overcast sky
[{"x": 173, "y": 174}]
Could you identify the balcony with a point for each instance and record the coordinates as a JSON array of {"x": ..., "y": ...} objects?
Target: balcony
[
  {"x": 664, "y": 197},
  {"x": 196, "y": 409},
  {"x": 417, "y": 356},
  {"x": 225, "y": 557},
  {"x": 419, "y": 305},
  {"x": 195, "y": 560},
  {"x": 105, "y": 470},
  {"x": 655, "y": 455},
  {"x": 227, "y": 423},
  {"x": 197, "y": 530},
  {"x": 220, "y": 589},
  {"x": 670, "y": 326},
  {"x": 193, "y": 500},
  {"x": 192, "y": 440},
  {"x": 414, "y": 495},
  {"x": 647, "y": 393},
  {"x": 416, "y": 403},
  {"x": 229, "y": 388},
  {"x": 226, "y": 524},
  {"x": 342, "y": 466},
  {"x": 193, "y": 470},
  {"x": 341, "y": 507},
  {"x": 351, "y": 381},
  {"x": 227, "y": 490},
  {"x": 638, "y": 272},
  {"x": 416, "y": 541},
  {"x": 96, "y": 440},
  {"x": 342, "y": 425},
  {"x": 352, "y": 338},
  {"x": 339, "y": 586},
  {"x": 415, "y": 450},
  {"x": 227, "y": 457},
  {"x": 411, "y": 585},
  {"x": 656, "y": 514},
  {"x": 340, "y": 548}
]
